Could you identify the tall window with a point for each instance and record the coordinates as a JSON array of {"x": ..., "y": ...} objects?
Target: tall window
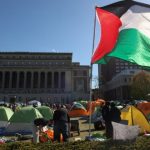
[
  {"x": 56, "y": 79},
  {"x": 7, "y": 79},
  {"x": 35, "y": 80},
  {"x": 21, "y": 79},
  {"x": 49, "y": 80},
  {"x": 42, "y": 80},
  {"x": 28, "y": 80},
  {"x": 62, "y": 80},
  {"x": 1, "y": 79},
  {"x": 14, "y": 79}
]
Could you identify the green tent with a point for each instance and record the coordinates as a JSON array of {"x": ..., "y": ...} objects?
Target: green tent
[
  {"x": 46, "y": 112},
  {"x": 5, "y": 113},
  {"x": 26, "y": 114},
  {"x": 22, "y": 121}
]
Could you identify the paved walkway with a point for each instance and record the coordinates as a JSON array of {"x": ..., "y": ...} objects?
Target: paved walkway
[{"x": 84, "y": 130}]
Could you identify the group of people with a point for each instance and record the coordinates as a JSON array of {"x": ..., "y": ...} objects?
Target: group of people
[
  {"x": 110, "y": 113},
  {"x": 60, "y": 121}
]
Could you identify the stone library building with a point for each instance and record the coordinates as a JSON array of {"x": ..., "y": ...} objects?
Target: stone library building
[{"x": 46, "y": 77}]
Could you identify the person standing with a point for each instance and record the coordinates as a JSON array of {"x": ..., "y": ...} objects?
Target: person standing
[
  {"x": 107, "y": 118},
  {"x": 61, "y": 124},
  {"x": 115, "y": 113}
]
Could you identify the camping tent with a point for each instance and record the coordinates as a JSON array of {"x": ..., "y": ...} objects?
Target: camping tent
[
  {"x": 77, "y": 110},
  {"x": 5, "y": 115},
  {"x": 134, "y": 116},
  {"x": 34, "y": 102},
  {"x": 144, "y": 107},
  {"x": 83, "y": 102},
  {"x": 93, "y": 104},
  {"x": 21, "y": 121},
  {"x": 46, "y": 112},
  {"x": 4, "y": 103}
]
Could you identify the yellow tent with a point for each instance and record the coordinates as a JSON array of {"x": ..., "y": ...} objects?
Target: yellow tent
[{"x": 135, "y": 117}]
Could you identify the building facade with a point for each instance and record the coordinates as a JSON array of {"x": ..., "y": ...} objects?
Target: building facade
[
  {"x": 116, "y": 78},
  {"x": 47, "y": 77}
]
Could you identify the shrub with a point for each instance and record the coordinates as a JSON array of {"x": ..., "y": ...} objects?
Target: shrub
[{"x": 141, "y": 143}]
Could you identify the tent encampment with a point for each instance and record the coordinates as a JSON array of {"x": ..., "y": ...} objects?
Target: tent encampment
[
  {"x": 134, "y": 116},
  {"x": 21, "y": 121},
  {"x": 5, "y": 115},
  {"x": 46, "y": 112}
]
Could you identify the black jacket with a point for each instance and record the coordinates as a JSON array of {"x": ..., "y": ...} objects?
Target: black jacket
[{"x": 61, "y": 115}]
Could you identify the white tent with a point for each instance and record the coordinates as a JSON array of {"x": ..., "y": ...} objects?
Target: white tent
[
  {"x": 34, "y": 102},
  {"x": 3, "y": 102}
]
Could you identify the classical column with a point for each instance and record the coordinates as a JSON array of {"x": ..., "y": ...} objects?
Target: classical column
[{"x": 68, "y": 81}]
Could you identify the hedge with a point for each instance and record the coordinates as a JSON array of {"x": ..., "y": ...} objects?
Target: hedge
[{"x": 141, "y": 143}]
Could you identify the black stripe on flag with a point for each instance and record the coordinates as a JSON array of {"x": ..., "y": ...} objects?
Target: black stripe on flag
[{"x": 119, "y": 8}]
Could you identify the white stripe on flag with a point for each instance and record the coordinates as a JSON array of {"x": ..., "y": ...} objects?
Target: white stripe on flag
[{"x": 137, "y": 17}]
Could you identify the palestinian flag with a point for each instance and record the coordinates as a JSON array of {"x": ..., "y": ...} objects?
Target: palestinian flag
[{"x": 125, "y": 32}]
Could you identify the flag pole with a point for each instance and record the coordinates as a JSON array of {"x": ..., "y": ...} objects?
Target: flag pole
[{"x": 91, "y": 75}]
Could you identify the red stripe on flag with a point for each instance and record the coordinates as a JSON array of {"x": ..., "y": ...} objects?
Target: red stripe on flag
[{"x": 110, "y": 25}]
